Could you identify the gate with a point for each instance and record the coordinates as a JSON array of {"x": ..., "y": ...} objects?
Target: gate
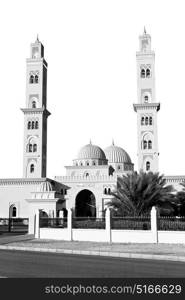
[{"x": 14, "y": 225}]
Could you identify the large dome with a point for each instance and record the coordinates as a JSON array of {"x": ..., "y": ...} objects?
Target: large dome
[
  {"x": 91, "y": 152},
  {"x": 116, "y": 154}
]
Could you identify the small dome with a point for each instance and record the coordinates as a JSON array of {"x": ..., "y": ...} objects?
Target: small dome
[
  {"x": 91, "y": 152},
  {"x": 116, "y": 154},
  {"x": 45, "y": 186}
]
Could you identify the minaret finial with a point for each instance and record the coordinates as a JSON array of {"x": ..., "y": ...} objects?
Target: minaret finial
[
  {"x": 112, "y": 142},
  {"x": 90, "y": 142},
  {"x": 144, "y": 30},
  {"x": 37, "y": 40}
]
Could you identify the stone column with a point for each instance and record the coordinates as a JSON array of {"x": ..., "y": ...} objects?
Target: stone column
[
  {"x": 31, "y": 224},
  {"x": 69, "y": 224},
  {"x": 37, "y": 224},
  {"x": 154, "y": 224},
  {"x": 108, "y": 224}
]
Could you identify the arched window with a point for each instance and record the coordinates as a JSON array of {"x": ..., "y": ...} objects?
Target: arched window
[
  {"x": 65, "y": 192},
  {"x": 148, "y": 73},
  {"x": 143, "y": 73},
  {"x": 30, "y": 148},
  {"x": 146, "y": 98},
  {"x": 36, "y": 125},
  {"x": 34, "y": 104},
  {"x": 87, "y": 163},
  {"x": 105, "y": 191},
  {"x": 36, "y": 79},
  {"x": 35, "y": 148},
  {"x": 145, "y": 145},
  {"x": 150, "y": 120},
  {"x": 149, "y": 144},
  {"x": 29, "y": 125},
  {"x": 81, "y": 164},
  {"x": 14, "y": 212},
  {"x": 93, "y": 163},
  {"x": 86, "y": 174},
  {"x": 142, "y": 121},
  {"x": 146, "y": 121},
  {"x": 147, "y": 166},
  {"x": 31, "y": 79},
  {"x": 119, "y": 167},
  {"x": 32, "y": 168},
  {"x": 32, "y": 124},
  {"x": 62, "y": 192},
  {"x": 109, "y": 191}
]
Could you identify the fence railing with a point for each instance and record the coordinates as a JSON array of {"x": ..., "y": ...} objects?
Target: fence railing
[
  {"x": 53, "y": 222},
  {"x": 131, "y": 223},
  {"x": 171, "y": 223},
  {"x": 91, "y": 223},
  {"x": 14, "y": 225},
  {"x": 122, "y": 223}
]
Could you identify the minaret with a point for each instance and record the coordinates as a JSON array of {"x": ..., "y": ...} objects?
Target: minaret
[
  {"x": 35, "y": 114},
  {"x": 147, "y": 106}
]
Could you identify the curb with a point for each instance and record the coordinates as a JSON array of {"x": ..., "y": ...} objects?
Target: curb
[{"x": 98, "y": 253}]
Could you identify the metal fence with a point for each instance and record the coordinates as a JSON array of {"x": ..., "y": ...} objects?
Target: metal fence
[
  {"x": 91, "y": 223},
  {"x": 53, "y": 222},
  {"x": 17, "y": 225},
  {"x": 126, "y": 222},
  {"x": 131, "y": 223},
  {"x": 171, "y": 223}
]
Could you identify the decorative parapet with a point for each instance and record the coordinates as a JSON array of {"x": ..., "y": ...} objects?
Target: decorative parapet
[
  {"x": 146, "y": 106},
  {"x": 106, "y": 167},
  {"x": 23, "y": 181},
  {"x": 175, "y": 179},
  {"x": 102, "y": 178},
  {"x": 36, "y": 111}
]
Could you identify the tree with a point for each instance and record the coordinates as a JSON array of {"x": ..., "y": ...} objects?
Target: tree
[
  {"x": 180, "y": 201},
  {"x": 136, "y": 193}
]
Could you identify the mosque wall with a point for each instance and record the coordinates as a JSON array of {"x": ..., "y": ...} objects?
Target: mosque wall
[
  {"x": 87, "y": 170},
  {"x": 15, "y": 194},
  {"x": 96, "y": 188}
]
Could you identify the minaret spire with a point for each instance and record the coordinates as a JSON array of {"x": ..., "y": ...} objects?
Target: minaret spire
[
  {"x": 147, "y": 106},
  {"x": 37, "y": 39},
  {"x": 35, "y": 114}
]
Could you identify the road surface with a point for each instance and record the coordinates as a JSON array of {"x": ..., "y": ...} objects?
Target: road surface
[{"x": 20, "y": 264}]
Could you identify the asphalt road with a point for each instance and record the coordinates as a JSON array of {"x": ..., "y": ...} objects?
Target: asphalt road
[{"x": 19, "y": 264}]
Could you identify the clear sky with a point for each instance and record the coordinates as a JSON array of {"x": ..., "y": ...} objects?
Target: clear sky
[{"x": 90, "y": 47}]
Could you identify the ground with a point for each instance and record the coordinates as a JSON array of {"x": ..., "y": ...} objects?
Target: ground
[
  {"x": 27, "y": 264},
  {"x": 159, "y": 249}
]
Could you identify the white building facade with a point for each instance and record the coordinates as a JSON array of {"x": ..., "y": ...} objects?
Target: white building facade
[{"x": 86, "y": 188}]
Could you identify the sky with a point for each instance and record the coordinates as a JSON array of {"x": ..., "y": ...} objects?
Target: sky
[{"x": 90, "y": 47}]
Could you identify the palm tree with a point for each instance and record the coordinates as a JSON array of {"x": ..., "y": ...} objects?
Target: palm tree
[
  {"x": 137, "y": 193},
  {"x": 180, "y": 200}
]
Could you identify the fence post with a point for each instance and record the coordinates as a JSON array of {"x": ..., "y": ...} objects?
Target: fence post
[
  {"x": 37, "y": 224},
  {"x": 69, "y": 224},
  {"x": 108, "y": 224},
  {"x": 154, "y": 224},
  {"x": 31, "y": 224},
  {"x": 9, "y": 224}
]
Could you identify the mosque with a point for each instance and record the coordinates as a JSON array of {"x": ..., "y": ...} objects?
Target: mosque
[{"x": 88, "y": 182}]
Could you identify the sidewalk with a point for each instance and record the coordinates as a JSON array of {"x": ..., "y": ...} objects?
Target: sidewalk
[
  {"x": 10, "y": 238},
  {"x": 174, "y": 252}
]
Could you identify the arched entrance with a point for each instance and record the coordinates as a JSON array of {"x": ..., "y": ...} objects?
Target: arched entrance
[{"x": 85, "y": 204}]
